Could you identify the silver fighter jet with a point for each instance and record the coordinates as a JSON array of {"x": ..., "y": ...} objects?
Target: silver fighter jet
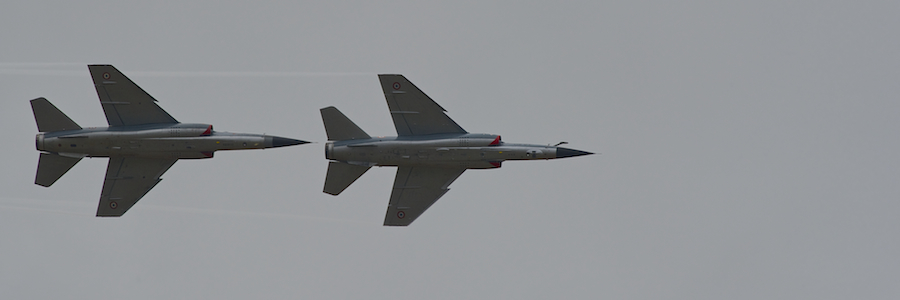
[
  {"x": 142, "y": 141},
  {"x": 430, "y": 151}
]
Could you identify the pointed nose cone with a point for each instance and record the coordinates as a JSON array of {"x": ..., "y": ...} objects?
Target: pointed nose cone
[
  {"x": 282, "y": 142},
  {"x": 566, "y": 152}
]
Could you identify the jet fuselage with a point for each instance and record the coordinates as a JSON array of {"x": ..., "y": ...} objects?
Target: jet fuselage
[
  {"x": 470, "y": 151},
  {"x": 180, "y": 140}
]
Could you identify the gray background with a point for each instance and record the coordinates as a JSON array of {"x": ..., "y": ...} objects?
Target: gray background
[{"x": 749, "y": 150}]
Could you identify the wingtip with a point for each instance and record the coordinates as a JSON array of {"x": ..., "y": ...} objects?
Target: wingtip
[{"x": 99, "y": 65}]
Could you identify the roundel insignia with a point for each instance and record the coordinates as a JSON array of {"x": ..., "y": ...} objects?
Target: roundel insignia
[
  {"x": 396, "y": 85},
  {"x": 106, "y": 76},
  {"x": 113, "y": 205},
  {"x": 401, "y": 214}
]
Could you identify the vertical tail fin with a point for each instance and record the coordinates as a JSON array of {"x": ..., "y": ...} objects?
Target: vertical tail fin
[
  {"x": 49, "y": 118},
  {"x": 51, "y": 167},
  {"x": 341, "y": 175},
  {"x": 338, "y": 127}
]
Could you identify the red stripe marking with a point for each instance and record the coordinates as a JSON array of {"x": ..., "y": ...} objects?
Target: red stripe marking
[
  {"x": 496, "y": 141},
  {"x": 207, "y": 132}
]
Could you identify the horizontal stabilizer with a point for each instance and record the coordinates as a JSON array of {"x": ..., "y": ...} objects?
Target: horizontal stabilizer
[
  {"x": 338, "y": 127},
  {"x": 51, "y": 167},
  {"x": 49, "y": 118},
  {"x": 341, "y": 175}
]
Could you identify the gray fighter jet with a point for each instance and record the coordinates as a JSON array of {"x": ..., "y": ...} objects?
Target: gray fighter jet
[
  {"x": 430, "y": 151},
  {"x": 142, "y": 141}
]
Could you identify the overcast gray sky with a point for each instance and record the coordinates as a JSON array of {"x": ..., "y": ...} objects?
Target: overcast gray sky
[{"x": 749, "y": 150}]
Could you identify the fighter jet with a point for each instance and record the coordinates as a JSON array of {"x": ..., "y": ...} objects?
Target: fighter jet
[
  {"x": 430, "y": 151},
  {"x": 142, "y": 141}
]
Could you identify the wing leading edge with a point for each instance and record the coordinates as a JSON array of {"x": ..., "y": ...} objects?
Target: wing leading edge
[
  {"x": 415, "y": 190},
  {"x": 414, "y": 113},
  {"x": 128, "y": 179}
]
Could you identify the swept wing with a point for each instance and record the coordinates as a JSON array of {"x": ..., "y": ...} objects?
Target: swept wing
[
  {"x": 124, "y": 102},
  {"x": 128, "y": 179},
  {"x": 415, "y": 190},
  {"x": 414, "y": 113}
]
